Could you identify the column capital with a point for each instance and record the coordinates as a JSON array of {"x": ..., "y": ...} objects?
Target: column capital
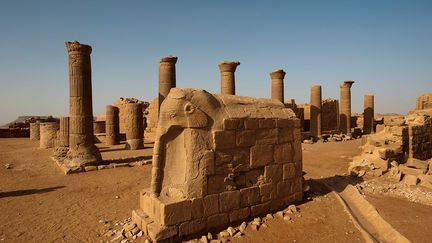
[
  {"x": 277, "y": 74},
  {"x": 169, "y": 59},
  {"x": 228, "y": 66},
  {"x": 347, "y": 83},
  {"x": 76, "y": 47}
]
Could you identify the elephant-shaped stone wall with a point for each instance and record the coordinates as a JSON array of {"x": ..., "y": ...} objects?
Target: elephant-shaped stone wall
[{"x": 217, "y": 160}]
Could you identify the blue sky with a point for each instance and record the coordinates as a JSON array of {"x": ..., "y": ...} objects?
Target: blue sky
[{"x": 385, "y": 46}]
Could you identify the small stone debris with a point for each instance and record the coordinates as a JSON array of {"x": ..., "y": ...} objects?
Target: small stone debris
[
  {"x": 209, "y": 236},
  {"x": 254, "y": 227},
  {"x": 257, "y": 220},
  {"x": 242, "y": 227},
  {"x": 204, "y": 239},
  {"x": 117, "y": 197},
  {"x": 279, "y": 214},
  {"x": 8, "y": 166},
  {"x": 231, "y": 231},
  {"x": 269, "y": 216},
  {"x": 238, "y": 234},
  {"x": 224, "y": 234},
  {"x": 287, "y": 218},
  {"x": 291, "y": 209}
]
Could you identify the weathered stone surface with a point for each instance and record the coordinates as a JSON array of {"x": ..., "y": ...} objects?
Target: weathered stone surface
[
  {"x": 283, "y": 153},
  {"x": 211, "y": 204},
  {"x": 239, "y": 214},
  {"x": 227, "y": 70},
  {"x": 175, "y": 212},
  {"x": 261, "y": 155},
  {"x": 192, "y": 227},
  {"x": 48, "y": 134},
  {"x": 224, "y": 139},
  {"x": 229, "y": 201},
  {"x": 245, "y": 138},
  {"x": 159, "y": 232},
  {"x": 273, "y": 173},
  {"x": 345, "y": 107},
  {"x": 250, "y": 196},
  {"x": 277, "y": 78},
  {"x": 260, "y": 209},
  {"x": 217, "y": 220},
  {"x": 289, "y": 171}
]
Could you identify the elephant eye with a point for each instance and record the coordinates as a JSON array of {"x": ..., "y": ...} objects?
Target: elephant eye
[{"x": 189, "y": 108}]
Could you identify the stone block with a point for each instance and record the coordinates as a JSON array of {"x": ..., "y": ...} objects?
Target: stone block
[
  {"x": 144, "y": 224},
  {"x": 137, "y": 216},
  {"x": 209, "y": 162},
  {"x": 267, "y": 123},
  {"x": 283, "y": 189},
  {"x": 410, "y": 180},
  {"x": 192, "y": 227},
  {"x": 297, "y": 149},
  {"x": 261, "y": 155},
  {"x": 245, "y": 138},
  {"x": 260, "y": 209},
  {"x": 251, "y": 124},
  {"x": 267, "y": 191},
  {"x": 239, "y": 214},
  {"x": 285, "y": 135},
  {"x": 273, "y": 173},
  {"x": 224, "y": 139},
  {"x": 211, "y": 204},
  {"x": 283, "y": 153},
  {"x": 296, "y": 185},
  {"x": 229, "y": 201},
  {"x": 158, "y": 232},
  {"x": 277, "y": 204},
  {"x": 266, "y": 136},
  {"x": 215, "y": 184},
  {"x": 284, "y": 123},
  {"x": 289, "y": 171},
  {"x": 233, "y": 124},
  {"x": 148, "y": 205},
  {"x": 175, "y": 212},
  {"x": 254, "y": 177},
  {"x": 250, "y": 196},
  {"x": 197, "y": 208},
  {"x": 217, "y": 220}
]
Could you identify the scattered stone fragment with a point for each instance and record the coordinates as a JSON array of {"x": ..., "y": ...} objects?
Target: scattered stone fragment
[
  {"x": 287, "y": 218},
  {"x": 238, "y": 234},
  {"x": 224, "y": 233},
  {"x": 118, "y": 237},
  {"x": 209, "y": 236},
  {"x": 140, "y": 233},
  {"x": 254, "y": 227},
  {"x": 257, "y": 220},
  {"x": 242, "y": 227},
  {"x": 291, "y": 209},
  {"x": 280, "y": 214},
  {"x": 117, "y": 197},
  {"x": 204, "y": 239},
  {"x": 269, "y": 216},
  {"x": 410, "y": 180}
]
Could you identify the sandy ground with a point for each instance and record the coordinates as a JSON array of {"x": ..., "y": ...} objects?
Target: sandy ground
[{"x": 40, "y": 204}]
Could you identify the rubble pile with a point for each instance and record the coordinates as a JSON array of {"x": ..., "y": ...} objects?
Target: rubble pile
[{"x": 401, "y": 147}]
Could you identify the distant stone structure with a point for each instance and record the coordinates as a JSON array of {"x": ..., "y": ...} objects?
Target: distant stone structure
[
  {"x": 120, "y": 103},
  {"x": 227, "y": 70},
  {"x": 368, "y": 114},
  {"x": 424, "y": 102},
  {"x": 167, "y": 76},
  {"x": 99, "y": 127},
  {"x": 82, "y": 151},
  {"x": 48, "y": 134},
  {"x": 315, "y": 111},
  {"x": 35, "y": 131},
  {"x": 112, "y": 127},
  {"x": 134, "y": 126},
  {"x": 217, "y": 160},
  {"x": 345, "y": 107},
  {"x": 277, "y": 78},
  {"x": 330, "y": 115}
]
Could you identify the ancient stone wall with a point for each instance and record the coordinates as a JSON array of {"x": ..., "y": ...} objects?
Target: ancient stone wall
[
  {"x": 419, "y": 137},
  {"x": 330, "y": 115},
  {"x": 424, "y": 102},
  {"x": 219, "y": 159}
]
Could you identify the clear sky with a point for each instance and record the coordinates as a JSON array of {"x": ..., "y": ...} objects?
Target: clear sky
[{"x": 385, "y": 46}]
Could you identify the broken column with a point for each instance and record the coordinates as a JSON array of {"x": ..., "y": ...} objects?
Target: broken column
[
  {"x": 48, "y": 134},
  {"x": 35, "y": 131},
  {"x": 167, "y": 76},
  {"x": 345, "y": 107},
  {"x": 63, "y": 133},
  {"x": 277, "y": 78},
  {"x": 134, "y": 126},
  {"x": 227, "y": 70},
  {"x": 112, "y": 128},
  {"x": 368, "y": 115},
  {"x": 82, "y": 150},
  {"x": 315, "y": 111}
]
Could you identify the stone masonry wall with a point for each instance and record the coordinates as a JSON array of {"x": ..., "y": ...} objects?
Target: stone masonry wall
[{"x": 330, "y": 114}]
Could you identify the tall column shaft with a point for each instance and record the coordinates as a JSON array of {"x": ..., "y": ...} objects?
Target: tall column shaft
[
  {"x": 112, "y": 128},
  {"x": 82, "y": 149},
  {"x": 345, "y": 107},
  {"x": 277, "y": 78},
  {"x": 315, "y": 111},
  {"x": 368, "y": 115},
  {"x": 167, "y": 76},
  {"x": 63, "y": 134},
  {"x": 227, "y": 70},
  {"x": 134, "y": 126}
]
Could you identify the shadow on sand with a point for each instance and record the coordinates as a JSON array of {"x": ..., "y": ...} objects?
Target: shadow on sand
[{"x": 29, "y": 192}]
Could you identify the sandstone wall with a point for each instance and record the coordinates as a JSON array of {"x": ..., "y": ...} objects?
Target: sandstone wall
[
  {"x": 219, "y": 160},
  {"x": 424, "y": 102},
  {"x": 330, "y": 114}
]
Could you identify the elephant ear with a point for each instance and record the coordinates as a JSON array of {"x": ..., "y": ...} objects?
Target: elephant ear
[{"x": 196, "y": 118}]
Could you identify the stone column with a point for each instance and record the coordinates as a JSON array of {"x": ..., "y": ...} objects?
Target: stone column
[
  {"x": 112, "y": 128},
  {"x": 277, "y": 78},
  {"x": 167, "y": 76},
  {"x": 315, "y": 111},
  {"x": 82, "y": 150},
  {"x": 227, "y": 70},
  {"x": 48, "y": 134},
  {"x": 345, "y": 107},
  {"x": 98, "y": 127},
  {"x": 63, "y": 133},
  {"x": 134, "y": 126},
  {"x": 35, "y": 131},
  {"x": 368, "y": 115}
]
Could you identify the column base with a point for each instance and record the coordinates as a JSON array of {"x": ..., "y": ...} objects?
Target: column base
[{"x": 134, "y": 144}]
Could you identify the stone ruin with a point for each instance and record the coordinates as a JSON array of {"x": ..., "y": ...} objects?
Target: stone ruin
[
  {"x": 217, "y": 160},
  {"x": 424, "y": 102},
  {"x": 402, "y": 146},
  {"x": 123, "y": 115}
]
